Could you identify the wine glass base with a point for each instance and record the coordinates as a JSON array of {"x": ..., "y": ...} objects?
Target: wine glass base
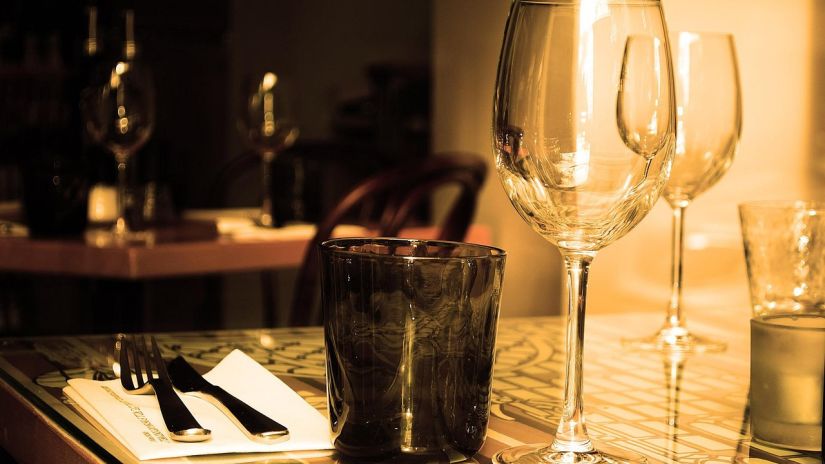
[
  {"x": 114, "y": 237},
  {"x": 538, "y": 453},
  {"x": 264, "y": 223},
  {"x": 676, "y": 339}
]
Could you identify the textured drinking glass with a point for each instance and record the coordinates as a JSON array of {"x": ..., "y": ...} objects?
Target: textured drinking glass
[
  {"x": 410, "y": 329},
  {"x": 584, "y": 125},
  {"x": 785, "y": 254}
]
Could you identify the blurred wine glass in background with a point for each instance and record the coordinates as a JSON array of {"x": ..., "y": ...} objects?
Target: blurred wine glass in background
[
  {"x": 267, "y": 126},
  {"x": 120, "y": 116},
  {"x": 709, "y": 122}
]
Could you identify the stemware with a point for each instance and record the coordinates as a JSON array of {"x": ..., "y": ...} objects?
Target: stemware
[
  {"x": 583, "y": 133},
  {"x": 709, "y": 121},
  {"x": 120, "y": 116},
  {"x": 267, "y": 125}
]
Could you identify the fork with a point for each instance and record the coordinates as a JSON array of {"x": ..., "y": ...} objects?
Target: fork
[{"x": 181, "y": 424}]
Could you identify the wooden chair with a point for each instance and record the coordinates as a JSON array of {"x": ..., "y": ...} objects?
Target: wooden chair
[
  {"x": 402, "y": 189},
  {"x": 331, "y": 169}
]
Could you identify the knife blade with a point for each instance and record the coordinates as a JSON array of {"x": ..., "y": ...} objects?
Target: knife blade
[{"x": 255, "y": 424}]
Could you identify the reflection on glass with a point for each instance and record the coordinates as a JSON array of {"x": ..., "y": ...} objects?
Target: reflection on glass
[
  {"x": 674, "y": 365},
  {"x": 743, "y": 444}
]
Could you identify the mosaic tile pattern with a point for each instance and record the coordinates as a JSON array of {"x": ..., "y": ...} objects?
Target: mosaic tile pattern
[{"x": 685, "y": 410}]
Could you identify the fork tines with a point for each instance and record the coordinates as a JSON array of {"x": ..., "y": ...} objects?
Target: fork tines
[
  {"x": 134, "y": 360},
  {"x": 160, "y": 365}
]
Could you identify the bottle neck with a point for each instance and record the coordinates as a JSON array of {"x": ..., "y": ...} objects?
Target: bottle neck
[
  {"x": 90, "y": 45},
  {"x": 129, "y": 46}
]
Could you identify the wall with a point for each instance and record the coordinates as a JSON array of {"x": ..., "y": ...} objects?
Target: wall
[
  {"x": 775, "y": 45},
  {"x": 466, "y": 43},
  {"x": 322, "y": 48}
]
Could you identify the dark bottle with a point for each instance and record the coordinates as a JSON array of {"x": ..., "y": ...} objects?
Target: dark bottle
[
  {"x": 94, "y": 69},
  {"x": 55, "y": 184},
  {"x": 129, "y": 44},
  {"x": 55, "y": 167}
]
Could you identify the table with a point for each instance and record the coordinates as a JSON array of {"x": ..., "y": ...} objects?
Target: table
[
  {"x": 192, "y": 248},
  {"x": 689, "y": 410},
  {"x": 206, "y": 245}
]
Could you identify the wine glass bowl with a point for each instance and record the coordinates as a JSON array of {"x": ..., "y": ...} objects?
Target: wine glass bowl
[
  {"x": 120, "y": 116},
  {"x": 709, "y": 123},
  {"x": 267, "y": 126},
  {"x": 125, "y": 116},
  {"x": 709, "y": 113},
  {"x": 583, "y": 135},
  {"x": 580, "y": 201},
  {"x": 640, "y": 120}
]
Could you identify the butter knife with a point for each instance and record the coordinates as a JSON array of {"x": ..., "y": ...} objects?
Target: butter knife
[{"x": 256, "y": 425}]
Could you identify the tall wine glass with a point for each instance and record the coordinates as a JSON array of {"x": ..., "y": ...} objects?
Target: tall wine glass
[
  {"x": 709, "y": 121},
  {"x": 120, "y": 116},
  {"x": 584, "y": 131},
  {"x": 267, "y": 125}
]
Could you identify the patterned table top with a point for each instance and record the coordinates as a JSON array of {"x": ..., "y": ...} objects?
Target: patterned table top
[{"x": 686, "y": 410}]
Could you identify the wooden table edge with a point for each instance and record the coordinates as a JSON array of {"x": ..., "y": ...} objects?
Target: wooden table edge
[
  {"x": 173, "y": 260},
  {"x": 29, "y": 435}
]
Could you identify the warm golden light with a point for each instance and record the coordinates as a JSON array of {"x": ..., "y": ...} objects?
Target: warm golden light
[
  {"x": 119, "y": 69},
  {"x": 268, "y": 82},
  {"x": 269, "y": 124},
  {"x": 684, "y": 43},
  {"x": 267, "y": 341}
]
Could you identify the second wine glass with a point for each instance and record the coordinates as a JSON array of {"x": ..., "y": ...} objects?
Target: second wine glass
[
  {"x": 120, "y": 116},
  {"x": 709, "y": 122},
  {"x": 267, "y": 125}
]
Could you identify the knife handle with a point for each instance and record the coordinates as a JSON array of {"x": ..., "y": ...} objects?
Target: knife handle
[
  {"x": 181, "y": 424},
  {"x": 258, "y": 426}
]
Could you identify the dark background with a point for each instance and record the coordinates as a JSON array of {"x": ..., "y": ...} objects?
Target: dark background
[
  {"x": 358, "y": 73},
  {"x": 345, "y": 64}
]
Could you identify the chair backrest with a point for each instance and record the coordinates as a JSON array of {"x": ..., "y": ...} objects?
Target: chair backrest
[
  {"x": 328, "y": 169},
  {"x": 403, "y": 188}
]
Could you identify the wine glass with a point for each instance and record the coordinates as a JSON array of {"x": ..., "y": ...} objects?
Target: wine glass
[
  {"x": 584, "y": 133},
  {"x": 120, "y": 116},
  {"x": 268, "y": 126},
  {"x": 709, "y": 121}
]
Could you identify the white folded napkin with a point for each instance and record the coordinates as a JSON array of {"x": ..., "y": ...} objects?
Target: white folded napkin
[
  {"x": 136, "y": 421},
  {"x": 246, "y": 230},
  {"x": 239, "y": 224}
]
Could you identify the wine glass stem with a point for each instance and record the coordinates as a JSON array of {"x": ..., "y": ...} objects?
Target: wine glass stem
[
  {"x": 121, "y": 227},
  {"x": 267, "y": 217},
  {"x": 571, "y": 434},
  {"x": 674, "y": 310}
]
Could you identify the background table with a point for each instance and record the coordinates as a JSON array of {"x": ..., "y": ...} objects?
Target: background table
[
  {"x": 689, "y": 410},
  {"x": 190, "y": 248},
  {"x": 188, "y": 277}
]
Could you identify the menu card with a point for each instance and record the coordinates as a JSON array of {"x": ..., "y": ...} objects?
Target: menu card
[{"x": 136, "y": 421}]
